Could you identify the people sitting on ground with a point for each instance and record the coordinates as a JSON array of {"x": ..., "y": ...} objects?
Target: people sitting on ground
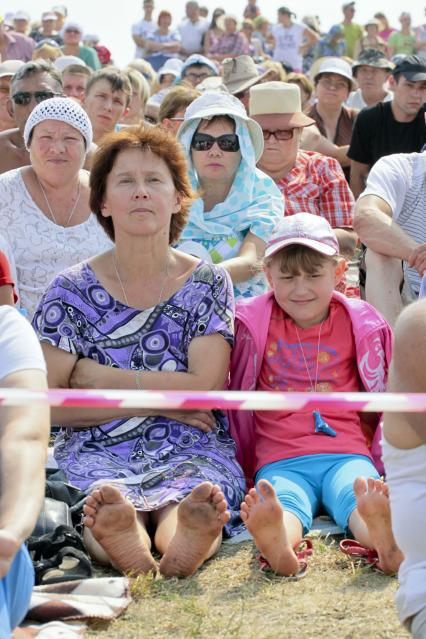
[
  {"x": 371, "y": 40},
  {"x": 301, "y": 460},
  {"x": 241, "y": 73},
  {"x": 44, "y": 208},
  {"x": 214, "y": 31},
  {"x": 197, "y": 68},
  {"x": 144, "y": 315},
  {"x": 371, "y": 72},
  {"x": 397, "y": 126},
  {"x": 309, "y": 182},
  {"x": 7, "y": 71},
  {"x": 403, "y": 441},
  {"x": 333, "y": 83},
  {"x": 192, "y": 30},
  {"x": 24, "y": 435},
  {"x": 163, "y": 43},
  {"x": 75, "y": 77},
  {"x": 333, "y": 44},
  {"x": 174, "y": 105},
  {"x": 134, "y": 115},
  {"x": 390, "y": 221},
  {"x": 402, "y": 42},
  {"x": 232, "y": 43},
  {"x": 72, "y": 34},
  {"x": 106, "y": 100},
  {"x": 239, "y": 205}
]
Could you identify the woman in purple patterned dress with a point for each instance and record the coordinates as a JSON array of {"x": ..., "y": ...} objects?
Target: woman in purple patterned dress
[{"x": 144, "y": 315}]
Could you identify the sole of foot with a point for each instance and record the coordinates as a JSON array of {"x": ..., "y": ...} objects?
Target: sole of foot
[
  {"x": 263, "y": 516},
  {"x": 112, "y": 520},
  {"x": 201, "y": 517},
  {"x": 372, "y": 496}
]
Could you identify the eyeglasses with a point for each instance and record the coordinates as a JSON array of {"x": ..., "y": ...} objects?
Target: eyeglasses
[
  {"x": 24, "y": 97},
  {"x": 333, "y": 86},
  {"x": 279, "y": 134},
  {"x": 204, "y": 142},
  {"x": 197, "y": 77}
]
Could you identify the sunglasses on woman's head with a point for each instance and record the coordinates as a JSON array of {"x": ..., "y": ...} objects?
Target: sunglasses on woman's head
[
  {"x": 204, "y": 142},
  {"x": 24, "y": 97}
]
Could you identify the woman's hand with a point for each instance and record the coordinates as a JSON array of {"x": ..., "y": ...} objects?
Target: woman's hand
[
  {"x": 201, "y": 419},
  {"x": 88, "y": 374}
]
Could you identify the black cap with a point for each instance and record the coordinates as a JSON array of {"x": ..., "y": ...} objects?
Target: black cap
[
  {"x": 412, "y": 68},
  {"x": 287, "y": 11}
]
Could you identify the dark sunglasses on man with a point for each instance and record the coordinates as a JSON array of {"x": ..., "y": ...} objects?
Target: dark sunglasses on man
[
  {"x": 24, "y": 97},
  {"x": 228, "y": 142}
]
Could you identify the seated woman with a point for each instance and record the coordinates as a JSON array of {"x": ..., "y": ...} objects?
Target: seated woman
[
  {"x": 45, "y": 216},
  {"x": 239, "y": 204},
  {"x": 144, "y": 315}
]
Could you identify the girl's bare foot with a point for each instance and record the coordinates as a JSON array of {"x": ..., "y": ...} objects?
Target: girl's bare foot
[
  {"x": 113, "y": 522},
  {"x": 263, "y": 516},
  {"x": 372, "y": 497},
  {"x": 201, "y": 517}
]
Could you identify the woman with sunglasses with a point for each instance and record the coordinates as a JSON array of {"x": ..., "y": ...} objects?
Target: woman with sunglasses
[
  {"x": 144, "y": 316},
  {"x": 239, "y": 205},
  {"x": 45, "y": 216}
]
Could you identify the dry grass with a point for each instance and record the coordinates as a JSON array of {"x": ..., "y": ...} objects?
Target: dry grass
[{"x": 230, "y": 598}]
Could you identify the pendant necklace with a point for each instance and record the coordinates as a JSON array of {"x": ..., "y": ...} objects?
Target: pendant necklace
[
  {"x": 166, "y": 277},
  {"x": 320, "y": 425},
  {"x": 52, "y": 215}
]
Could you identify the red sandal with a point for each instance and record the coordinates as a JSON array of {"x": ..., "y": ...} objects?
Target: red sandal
[
  {"x": 355, "y": 550},
  {"x": 303, "y": 549}
]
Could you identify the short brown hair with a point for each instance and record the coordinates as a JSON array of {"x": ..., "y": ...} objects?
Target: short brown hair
[
  {"x": 160, "y": 142},
  {"x": 302, "y": 81},
  {"x": 164, "y": 14},
  {"x": 179, "y": 97},
  {"x": 117, "y": 79},
  {"x": 296, "y": 259}
]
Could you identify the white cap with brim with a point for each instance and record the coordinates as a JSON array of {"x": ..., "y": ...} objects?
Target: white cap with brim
[
  {"x": 10, "y": 67},
  {"x": 305, "y": 229},
  {"x": 67, "y": 60},
  {"x": 338, "y": 67},
  {"x": 213, "y": 103}
]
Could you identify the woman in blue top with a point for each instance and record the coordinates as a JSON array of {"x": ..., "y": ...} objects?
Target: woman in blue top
[{"x": 239, "y": 205}]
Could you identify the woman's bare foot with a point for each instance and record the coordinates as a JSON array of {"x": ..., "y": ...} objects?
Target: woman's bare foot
[
  {"x": 372, "y": 497},
  {"x": 263, "y": 516},
  {"x": 201, "y": 517},
  {"x": 112, "y": 520}
]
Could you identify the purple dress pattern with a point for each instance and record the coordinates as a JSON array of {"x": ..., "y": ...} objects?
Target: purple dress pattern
[{"x": 154, "y": 461}]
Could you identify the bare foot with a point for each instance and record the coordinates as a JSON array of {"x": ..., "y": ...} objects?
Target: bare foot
[
  {"x": 113, "y": 522},
  {"x": 201, "y": 517},
  {"x": 263, "y": 516},
  {"x": 372, "y": 497}
]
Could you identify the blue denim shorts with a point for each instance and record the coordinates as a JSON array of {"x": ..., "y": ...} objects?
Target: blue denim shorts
[{"x": 306, "y": 485}]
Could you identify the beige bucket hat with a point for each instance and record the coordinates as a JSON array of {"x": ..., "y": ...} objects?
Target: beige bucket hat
[
  {"x": 279, "y": 98},
  {"x": 241, "y": 73}
]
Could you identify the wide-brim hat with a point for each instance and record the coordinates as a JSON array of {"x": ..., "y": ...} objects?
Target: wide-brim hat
[
  {"x": 338, "y": 67},
  {"x": 279, "y": 98},
  {"x": 241, "y": 73},
  {"x": 213, "y": 103},
  {"x": 8, "y": 68},
  {"x": 372, "y": 58},
  {"x": 226, "y": 16}
]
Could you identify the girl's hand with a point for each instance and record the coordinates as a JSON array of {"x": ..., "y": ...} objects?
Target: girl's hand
[{"x": 88, "y": 374}]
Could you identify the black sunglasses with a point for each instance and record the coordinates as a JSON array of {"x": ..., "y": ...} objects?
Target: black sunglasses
[
  {"x": 24, "y": 97},
  {"x": 204, "y": 142}
]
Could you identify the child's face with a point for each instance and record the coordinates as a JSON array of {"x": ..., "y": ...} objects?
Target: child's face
[{"x": 305, "y": 297}]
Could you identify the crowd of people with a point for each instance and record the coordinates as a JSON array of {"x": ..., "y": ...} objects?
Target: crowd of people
[{"x": 232, "y": 160}]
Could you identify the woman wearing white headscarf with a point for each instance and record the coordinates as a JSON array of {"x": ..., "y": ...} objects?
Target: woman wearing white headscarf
[
  {"x": 239, "y": 205},
  {"x": 45, "y": 217}
]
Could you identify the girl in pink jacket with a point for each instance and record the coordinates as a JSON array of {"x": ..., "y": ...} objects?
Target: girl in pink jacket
[{"x": 303, "y": 336}]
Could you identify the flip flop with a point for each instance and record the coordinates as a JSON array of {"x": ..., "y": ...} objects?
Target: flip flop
[
  {"x": 355, "y": 550},
  {"x": 69, "y": 564},
  {"x": 302, "y": 550}
]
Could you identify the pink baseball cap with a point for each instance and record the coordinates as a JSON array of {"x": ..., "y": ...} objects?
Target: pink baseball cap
[{"x": 303, "y": 228}]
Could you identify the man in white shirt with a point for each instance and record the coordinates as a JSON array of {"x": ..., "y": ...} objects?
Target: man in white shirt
[
  {"x": 390, "y": 219},
  {"x": 192, "y": 29},
  {"x": 289, "y": 37},
  {"x": 371, "y": 71},
  {"x": 142, "y": 29},
  {"x": 24, "y": 435}
]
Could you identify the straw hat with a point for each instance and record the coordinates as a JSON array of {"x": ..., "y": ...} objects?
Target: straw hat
[
  {"x": 279, "y": 98},
  {"x": 241, "y": 73}
]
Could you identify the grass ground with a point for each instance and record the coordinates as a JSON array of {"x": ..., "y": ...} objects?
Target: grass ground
[{"x": 230, "y": 598}]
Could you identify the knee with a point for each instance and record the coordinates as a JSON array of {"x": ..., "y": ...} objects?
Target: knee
[{"x": 378, "y": 264}]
